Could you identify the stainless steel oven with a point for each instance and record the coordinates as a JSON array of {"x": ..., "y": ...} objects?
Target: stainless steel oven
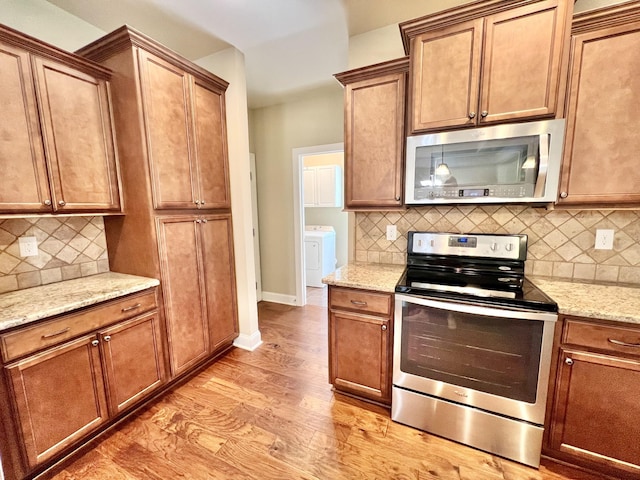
[{"x": 472, "y": 344}]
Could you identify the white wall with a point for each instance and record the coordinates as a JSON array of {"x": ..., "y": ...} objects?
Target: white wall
[
  {"x": 275, "y": 132},
  {"x": 229, "y": 64}
]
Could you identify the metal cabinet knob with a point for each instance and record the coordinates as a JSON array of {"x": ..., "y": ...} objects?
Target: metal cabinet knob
[
  {"x": 107, "y": 338},
  {"x": 197, "y": 202},
  {"x": 384, "y": 327},
  {"x": 201, "y": 202},
  {"x": 564, "y": 195},
  {"x": 472, "y": 115},
  {"x": 568, "y": 361},
  {"x": 62, "y": 203},
  {"x": 198, "y": 221},
  {"x": 47, "y": 202},
  {"x": 95, "y": 343},
  {"x": 484, "y": 114},
  {"x": 204, "y": 220},
  {"x": 397, "y": 198}
]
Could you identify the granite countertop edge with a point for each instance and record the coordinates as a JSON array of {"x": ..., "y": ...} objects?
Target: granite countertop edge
[
  {"x": 22, "y": 307},
  {"x": 615, "y": 302}
]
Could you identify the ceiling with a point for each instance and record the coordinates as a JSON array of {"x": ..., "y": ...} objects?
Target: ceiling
[{"x": 289, "y": 45}]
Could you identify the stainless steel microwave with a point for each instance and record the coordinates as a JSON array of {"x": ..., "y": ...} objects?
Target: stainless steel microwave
[{"x": 515, "y": 163}]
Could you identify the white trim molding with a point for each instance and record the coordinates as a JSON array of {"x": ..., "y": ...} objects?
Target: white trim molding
[{"x": 248, "y": 342}]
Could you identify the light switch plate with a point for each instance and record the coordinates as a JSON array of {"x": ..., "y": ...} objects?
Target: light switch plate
[
  {"x": 392, "y": 233},
  {"x": 604, "y": 239},
  {"x": 28, "y": 246}
]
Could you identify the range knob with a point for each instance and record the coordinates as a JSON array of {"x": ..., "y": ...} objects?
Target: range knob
[
  {"x": 509, "y": 247},
  {"x": 494, "y": 246}
]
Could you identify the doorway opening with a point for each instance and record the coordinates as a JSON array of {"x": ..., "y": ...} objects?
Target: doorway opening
[{"x": 314, "y": 209}]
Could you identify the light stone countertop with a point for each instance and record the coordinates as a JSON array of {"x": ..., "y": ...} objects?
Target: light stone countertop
[
  {"x": 593, "y": 300},
  {"x": 24, "y": 306},
  {"x": 368, "y": 276}
]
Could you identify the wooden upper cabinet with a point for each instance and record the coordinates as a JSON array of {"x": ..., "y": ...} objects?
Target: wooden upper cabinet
[
  {"x": 165, "y": 95},
  {"x": 374, "y": 100},
  {"x": 210, "y": 136},
  {"x": 186, "y": 136},
  {"x": 78, "y": 138},
  {"x": 25, "y": 186},
  {"x": 502, "y": 64},
  {"x": 58, "y": 151},
  {"x": 600, "y": 164},
  {"x": 446, "y": 76}
]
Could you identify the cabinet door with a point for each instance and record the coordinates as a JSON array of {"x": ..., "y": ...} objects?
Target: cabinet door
[
  {"x": 521, "y": 62},
  {"x": 184, "y": 292},
  {"x": 445, "y": 75},
  {"x": 309, "y": 184},
  {"x": 25, "y": 185},
  {"x": 210, "y": 134},
  {"x": 374, "y": 150},
  {"x": 165, "y": 97},
  {"x": 59, "y": 397},
  {"x": 596, "y": 416},
  {"x": 133, "y": 361},
  {"x": 78, "y": 138},
  {"x": 220, "y": 281},
  {"x": 326, "y": 184},
  {"x": 359, "y": 355},
  {"x": 601, "y": 149}
]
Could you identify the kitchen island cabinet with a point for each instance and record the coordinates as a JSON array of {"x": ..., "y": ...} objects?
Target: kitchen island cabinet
[
  {"x": 361, "y": 342},
  {"x": 594, "y": 415},
  {"x": 67, "y": 377},
  {"x": 58, "y": 150},
  {"x": 600, "y": 166},
  {"x": 472, "y": 65},
  {"x": 374, "y": 109}
]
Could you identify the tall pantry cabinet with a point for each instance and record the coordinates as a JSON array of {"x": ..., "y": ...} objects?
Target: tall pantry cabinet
[{"x": 170, "y": 120}]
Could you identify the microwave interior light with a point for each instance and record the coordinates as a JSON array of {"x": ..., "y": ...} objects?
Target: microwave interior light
[{"x": 530, "y": 162}]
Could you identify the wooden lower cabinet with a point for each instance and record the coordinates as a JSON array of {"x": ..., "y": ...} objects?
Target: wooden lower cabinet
[
  {"x": 360, "y": 343},
  {"x": 55, "y": 398},
  {"x": 595, "y": 413},
  {"x": 199, "y": 286},
  {"x": 59, "y": 397}
]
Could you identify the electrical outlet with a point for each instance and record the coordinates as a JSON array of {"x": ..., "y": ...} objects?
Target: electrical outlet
[
  {"x": 604, "y": 239},
  {"x": 392, "y": 233},
  {"x": 28, "y": 246}
]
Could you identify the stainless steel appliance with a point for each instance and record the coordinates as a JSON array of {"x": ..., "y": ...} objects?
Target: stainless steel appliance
[
  {"x": 499, "y": 164},
  {"x": 472, "y": 343}
]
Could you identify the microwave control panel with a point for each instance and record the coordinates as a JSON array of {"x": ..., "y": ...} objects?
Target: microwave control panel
[{"x": 500, "y": 191}]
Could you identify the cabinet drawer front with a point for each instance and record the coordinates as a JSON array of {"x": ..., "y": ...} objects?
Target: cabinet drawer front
[
  {"x": 42, "y": 335},
  {"x": 362, "y": 301},
  {"x": 602, "y": 337}
]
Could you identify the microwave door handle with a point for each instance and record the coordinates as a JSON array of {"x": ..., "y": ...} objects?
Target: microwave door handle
[{"x": 544, "y": 166}]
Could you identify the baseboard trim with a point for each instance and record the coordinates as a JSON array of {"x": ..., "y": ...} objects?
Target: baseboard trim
[
  {"x": 248, "y": 342},
  {"x": 279, "y": 298}
]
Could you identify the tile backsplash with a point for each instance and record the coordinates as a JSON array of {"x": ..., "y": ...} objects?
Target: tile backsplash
[
  {"x": 560, "y": 242},
  {"x": 68, "y": 247}
]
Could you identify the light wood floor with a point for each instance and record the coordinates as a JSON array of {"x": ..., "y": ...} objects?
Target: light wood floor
[{"x": 271, "y": 414}]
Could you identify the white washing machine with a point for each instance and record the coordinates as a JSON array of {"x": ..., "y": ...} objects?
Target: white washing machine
[{"x": 319, "y": 253}]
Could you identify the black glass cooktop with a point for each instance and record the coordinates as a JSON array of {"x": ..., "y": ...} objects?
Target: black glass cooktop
[{"x": 467, "y": 284}]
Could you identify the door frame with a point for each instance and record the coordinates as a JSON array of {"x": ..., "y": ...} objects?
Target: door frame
[{"x": 298, "y": 155}]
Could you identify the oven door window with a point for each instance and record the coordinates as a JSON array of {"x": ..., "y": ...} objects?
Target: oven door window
[{"x": 496, "y": 355}]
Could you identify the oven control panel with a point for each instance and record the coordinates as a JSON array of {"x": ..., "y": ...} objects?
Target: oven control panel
[{"x": 510, "y": 247}]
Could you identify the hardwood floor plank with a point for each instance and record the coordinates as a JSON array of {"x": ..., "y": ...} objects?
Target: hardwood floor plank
[{"x": 271, "y": 414}]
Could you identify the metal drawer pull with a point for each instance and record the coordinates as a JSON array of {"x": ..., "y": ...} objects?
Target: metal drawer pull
[
  {"x": 623, "y": 344},
  {"x": 55, "y": 334},
  {"x": 95, "y": 343},
  {"x": 359, "y": 303},
  {"x": 107, "y": 338},
  {"x": 132, "y": 307}
]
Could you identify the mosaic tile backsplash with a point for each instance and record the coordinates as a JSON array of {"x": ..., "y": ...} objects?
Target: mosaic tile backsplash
[
  {"x": 561, "y": 243},
  {"x": 68, "y": 247}
]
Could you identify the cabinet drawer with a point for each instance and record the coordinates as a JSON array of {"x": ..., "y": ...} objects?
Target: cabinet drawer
[
  {"x": 602, "y": 337},
  {"x": 360, "y": 300},
  {"x": 30, "y": 339}
]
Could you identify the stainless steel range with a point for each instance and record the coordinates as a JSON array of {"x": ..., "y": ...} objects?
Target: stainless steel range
[{"x": 472, "y": 343}]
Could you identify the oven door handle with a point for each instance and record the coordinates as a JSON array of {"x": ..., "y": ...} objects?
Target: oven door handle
[{"x": 476, "y": 309}]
